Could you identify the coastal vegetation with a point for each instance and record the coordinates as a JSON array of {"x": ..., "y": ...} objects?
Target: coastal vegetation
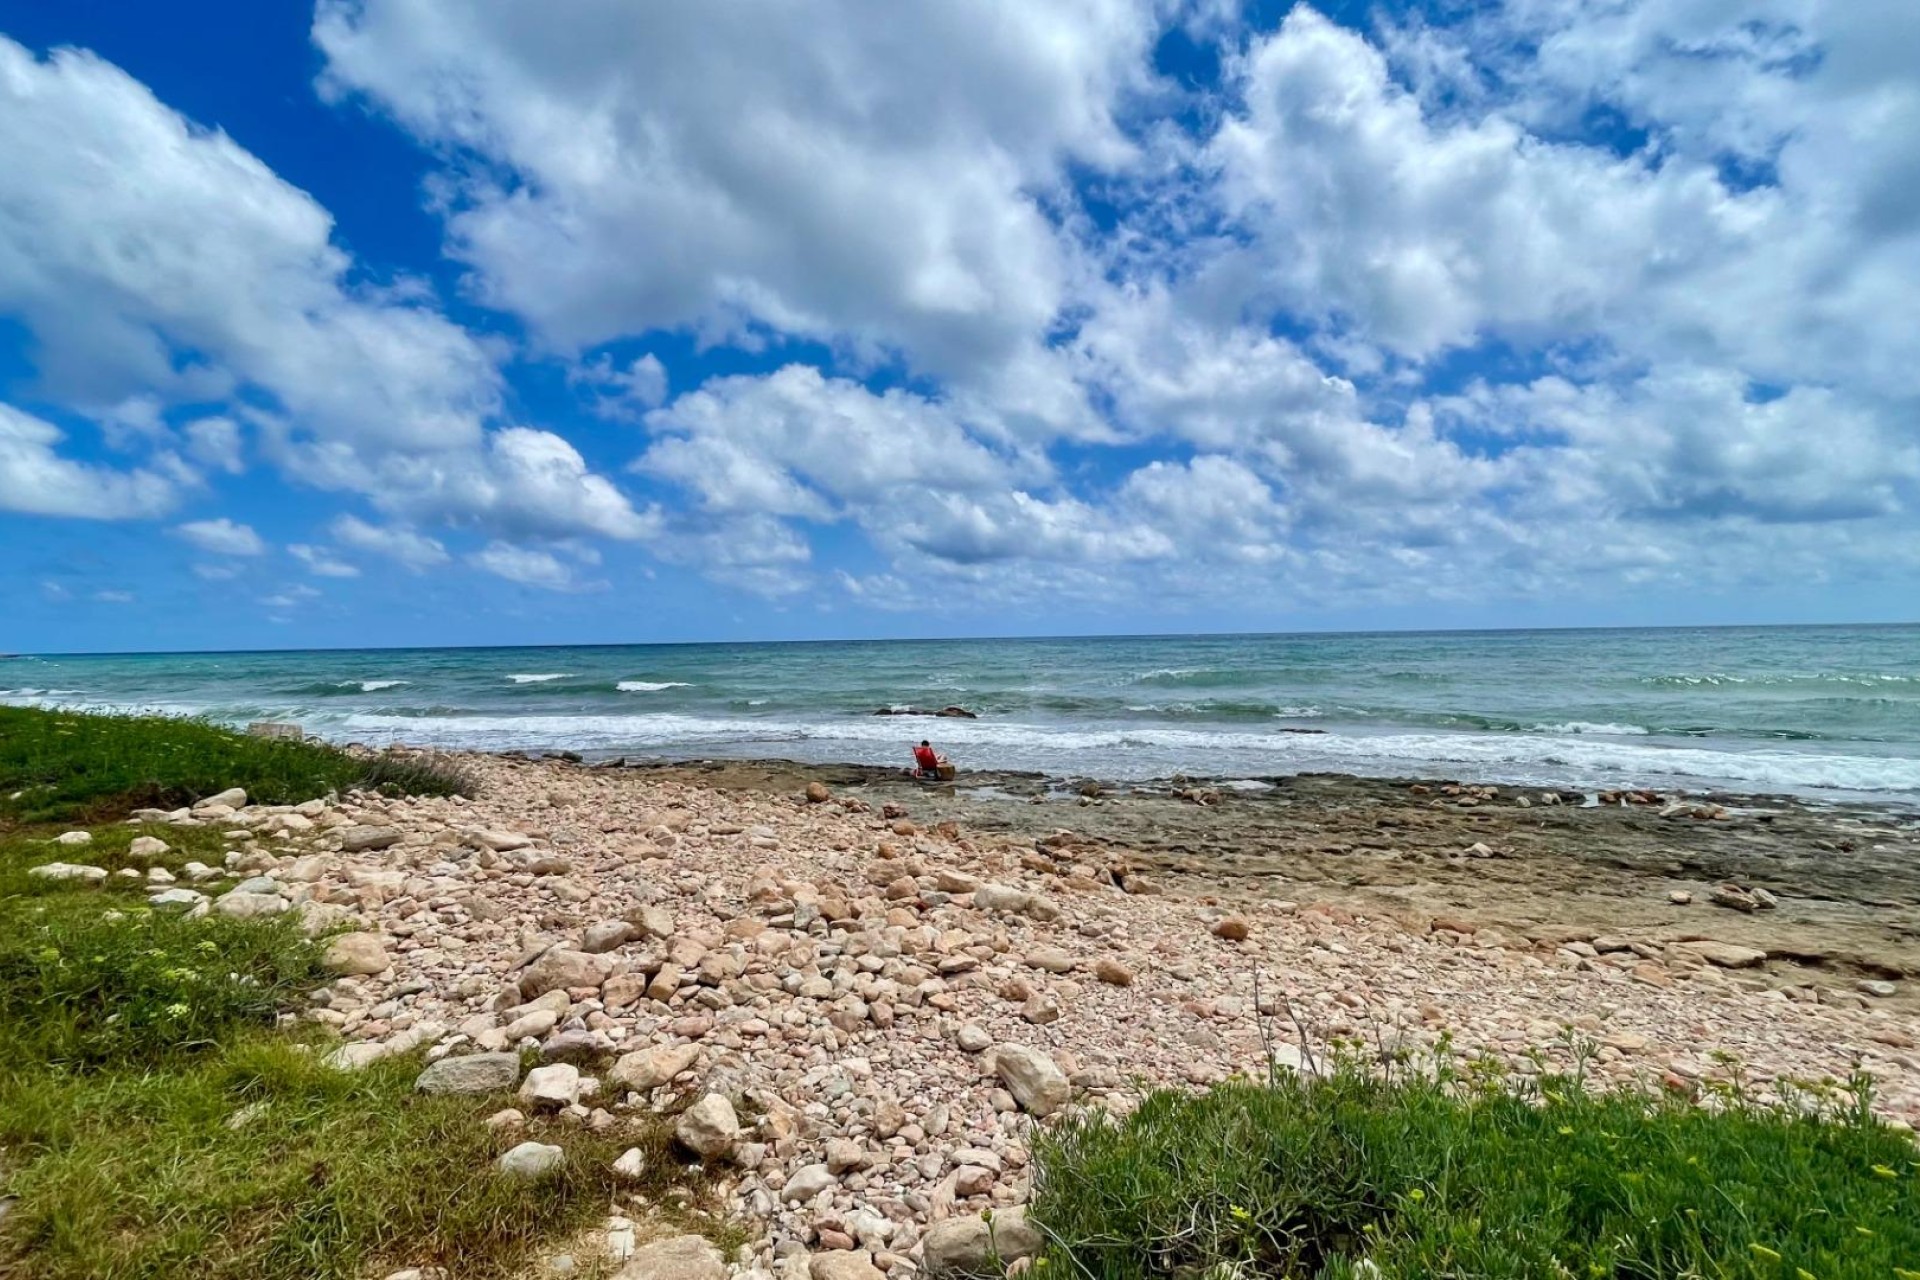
[
  {"x": 62, "y": 766},
  {"x": 1440, "y": 1173},
  {"x": 163, "y": 1114}
]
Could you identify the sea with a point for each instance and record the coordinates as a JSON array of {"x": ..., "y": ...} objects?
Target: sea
[{"x": 1831, "y": 711}]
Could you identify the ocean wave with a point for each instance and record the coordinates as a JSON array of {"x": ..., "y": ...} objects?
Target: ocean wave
[
  {"x": 541, "y": 678},
  {"x": 650, "y": 686},
  {"x": 1807, "y": 679},
  {"x": 1584, "y": 726},
  {"x": 375, "y": 686},
  {"x": 1137, "y": 752}
]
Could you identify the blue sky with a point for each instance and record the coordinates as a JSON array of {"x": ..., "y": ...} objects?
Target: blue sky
[{"x": 458, "y": 321}]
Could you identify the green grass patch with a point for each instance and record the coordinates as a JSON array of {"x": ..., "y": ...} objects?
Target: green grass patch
[
  {"x": 1415, "y": 1177},
  {"x": 64, "y": 766},
  {"x": 256, "y": 1162}
]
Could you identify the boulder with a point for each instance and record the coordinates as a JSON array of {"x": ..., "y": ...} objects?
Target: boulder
[
  {"x": 67, "y": 872},
  {"x": 551, "y": 1088},
  {"x": 973, "y": 1038},
  {"x": 843, "y": 1264},
  {"x": 709, "y": 1128},
  {"x": 817, "y": 793},
  {"x": 471, "y": 1073},
  {"x": 1724, "y": 954},
  {"x": 531, "y": 1161},
  {"x": 247, "y": 906},
  {"x": 356, "y": 955},
  {"x": 608, "y": 935},
  {"x": 807, "y": 1182},
  {"x": 144, "y": 847},
  {"x": 562, "y": 969},
  {"x": 652, "y": 1067},
  {"x": 970, "y": 1246},
  {"x": 232, "y": 798},
  {"x": 1231, "y": 929},
  {"x": 74, "y": 838},
  {"x": 631, "y": 1166},
  {"x": 368, "y": 839},
  {"x": 177, "y": 900},
  {"x": 1035, "y": 1080},
  {"x": 678, "y": 1258}
]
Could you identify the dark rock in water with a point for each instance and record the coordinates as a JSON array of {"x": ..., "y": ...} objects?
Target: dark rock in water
[
  {"x": 950, "y": 713},
  {"x": 1292, "y": 730}
]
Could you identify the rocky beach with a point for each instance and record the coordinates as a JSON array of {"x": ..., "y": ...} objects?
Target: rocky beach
[{"x": 858, "y": 994}]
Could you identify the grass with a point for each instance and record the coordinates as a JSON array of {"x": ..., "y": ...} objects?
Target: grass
[
  {"x": 158, "y": 1121},
  {"x": 63, "y": 766},
  {"x": 1359, "y": 1176}
]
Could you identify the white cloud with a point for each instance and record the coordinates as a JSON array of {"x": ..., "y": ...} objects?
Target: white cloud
[
  {"x": 859, "y": 172},
  {"x": 215, "y": 443},
  {"x": 290, "y": 597},
  {"x": 222, "y": 537},
  {"x": 528, "y": 566},
  {"x": 217, "y": 572},
  {"x": 114, "y": 597},
  {"x": 321, "y": 562},
  {"x": 398, "y": 543},
  {"x": 624, "y": 393},
  {"x": 37, "y": 481}
]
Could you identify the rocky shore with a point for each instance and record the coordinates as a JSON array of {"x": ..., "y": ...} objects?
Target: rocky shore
[{"x": 857, "y": 995}]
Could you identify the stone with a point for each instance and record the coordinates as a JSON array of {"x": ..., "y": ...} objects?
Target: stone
[
  {"x": 631, "y": 1166},
  {"x": 842, "y": 1264},
  {"x": 1724, "y": 954},
  {"x": 499, "y": 841},
  {"x": 608, "y": 935},
  {"x": 554, "y": 1087},
  {"x": 1041, "y": 1008},
  {"x": 471, "y": 1073},
  {"x": 973, "y": 1038},
  {"x": 678, "y": 1258},
  {"x": 817, "y": 793},
  {"x": 1231, "y": 929},
  {"x": 968, "y": 1246},
  {"x": 356, "y": 955},
  {"x": 1053, "y": 960},
  {"x": 654, "y": 1066},
  {"x": 562, "y": 969},
  {"x": 259, "y": 884},
  {"x": 67, "y": 872},
  {"x": 1680, "y": 898},
  {"x": 248, "y": 906},
  {"x": 807, "y": 1182},
  {"x": 177, "y": 900},
  {"x": 232, "y": 798},
  {"x": 844, "y": 1155},
  {"x": 144, "y": 847},
  {"x": 531, "y": 1161},
  {"x": 652, "y": 922},
  {"x": 74, "y": 838},
  {"x": 368, "y": 839},
  {"x": 1112, "y": 972},
  {"x": 1035, "y": 1080},
  {"x": 1878, "y": 988},
  {"x": 709, "y": 1128},
  {"x": 1734, "y": 897},
  {"x": 506, "y": 1118}
]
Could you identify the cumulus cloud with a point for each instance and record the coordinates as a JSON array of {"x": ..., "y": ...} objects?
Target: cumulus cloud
[
  {"x": 857, "y": 172},
  {"x": 398, "y": 543},
  {"x": 320, "y": 562},
  {"x": 222, "y": 537},
  {"x": 35, "y": 480},
  {"x": 528, "y": 566}
]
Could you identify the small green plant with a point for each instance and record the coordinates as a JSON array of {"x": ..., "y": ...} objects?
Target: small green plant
[{"x": 1449, "y": 1173}]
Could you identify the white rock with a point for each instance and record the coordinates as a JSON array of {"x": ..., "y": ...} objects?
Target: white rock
[
  {"x": 807, "y": 1182},
  {"x": 356, "y": 954},
  {"x": 967, "y": 1246},
  {"x": 177, "y": 900},
  {"x": 631, "y": 1166},
  {"x": 531, "y": 1161},
  {"x": 147, "y": 847},
  {"x": 709, "y": 1128},
  {"x": 232, "y": 798},
  {"x": 551, "y": 1088},
  {"x": 654, "y": 1066},
  {"x": 247, "y": 906},
  {"x": 66, "y": 872},
  {"x": 471, "y": 1073},
  {"x": 74, "y": 838},
  {"x": 1034, "y": 1080}
]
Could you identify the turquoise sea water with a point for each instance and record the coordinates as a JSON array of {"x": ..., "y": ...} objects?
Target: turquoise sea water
[{"x": 1812, "y": 710}]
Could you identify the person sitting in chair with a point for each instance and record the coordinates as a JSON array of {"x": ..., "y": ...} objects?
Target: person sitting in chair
[{"x": 926, "y": 761}]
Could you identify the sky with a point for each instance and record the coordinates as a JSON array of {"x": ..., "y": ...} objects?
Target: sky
[{"x": 394, "y": 322}]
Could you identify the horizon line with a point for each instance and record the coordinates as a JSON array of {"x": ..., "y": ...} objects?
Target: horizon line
[{"x": 993, "y": 639}]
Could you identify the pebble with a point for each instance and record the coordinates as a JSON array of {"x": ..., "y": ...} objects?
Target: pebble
[{"x": 531, "y": 1161}]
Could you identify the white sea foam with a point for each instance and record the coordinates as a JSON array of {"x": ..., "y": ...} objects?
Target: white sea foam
[
  {"x": 1564, "y": 760},
  {"x": 1585, "y": 726},
  {"x": 540, "y": 679},
  {"x": 650, "y": 686},
  {"x": 375, "y": 686}
]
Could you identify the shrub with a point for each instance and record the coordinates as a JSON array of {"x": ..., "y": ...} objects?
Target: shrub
[{"x": 1359, "y": 1176}]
